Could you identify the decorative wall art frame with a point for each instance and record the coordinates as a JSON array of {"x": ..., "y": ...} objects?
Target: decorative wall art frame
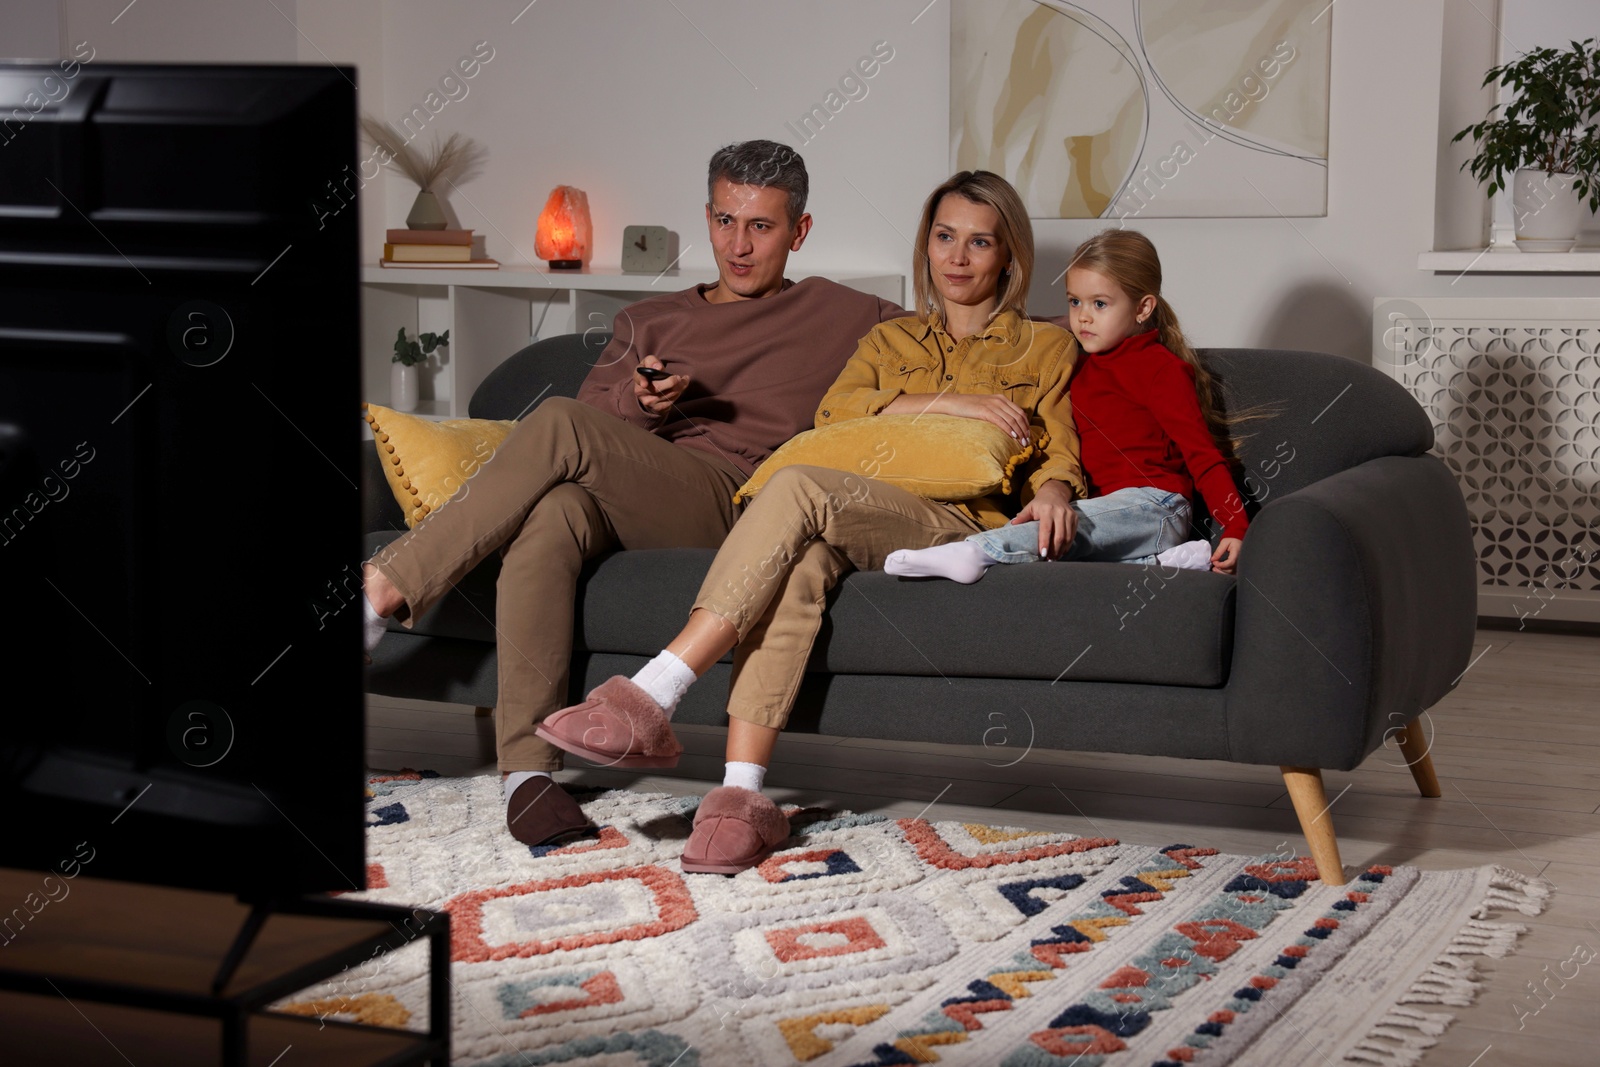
[{"x": 1145, "y": 108}]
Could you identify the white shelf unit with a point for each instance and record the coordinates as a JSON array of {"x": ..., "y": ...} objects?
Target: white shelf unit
[
  {"x": 491, "y": 314},
  {"x": 1510, "y": 261}
]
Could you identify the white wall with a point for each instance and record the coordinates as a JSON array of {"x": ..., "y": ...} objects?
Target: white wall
[
  {"x": 627, "y": 99},
  {"x": 1527, "y": 24},
  {"x": 30, "y": 31},
  {"x": 1470, "y": 46},
  {"x": 179, "y": 31}
]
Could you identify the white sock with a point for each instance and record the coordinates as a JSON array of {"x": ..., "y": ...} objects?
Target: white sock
[
  {"x": 960, "y": 561},
  {"x": 666, "y": 678},
  {"x": 516, "y": 778},
  {"x": 744, "y": 775},
  {"x": 374, "y": 624},
  {"x": 1189, "y": 556}
]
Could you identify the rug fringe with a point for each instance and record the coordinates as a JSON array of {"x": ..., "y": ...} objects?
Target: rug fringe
[
  {"x": 1512, "y": 889},
  {"x": 1479, "y": 938},
  {"x": 1400, "y": 1038},
  {"x": 1449, "y": 979}
]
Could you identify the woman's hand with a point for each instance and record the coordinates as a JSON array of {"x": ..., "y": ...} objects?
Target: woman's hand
[
  {"x": 1226, "y": 556},
  {"x": 657, "y": 398},
  {"x": 1051, "y": 507},
  {"x": 989, "y": 407}
]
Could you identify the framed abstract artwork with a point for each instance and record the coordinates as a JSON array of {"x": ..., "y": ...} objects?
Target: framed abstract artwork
[{"x": 1145, "y": 108}]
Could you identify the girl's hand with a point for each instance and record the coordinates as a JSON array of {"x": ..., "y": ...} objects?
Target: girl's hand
[
  {"x": 1052, "y": 508},
  {"x": 1226, "y": 556},
  {"x": 989, "y": 407}
]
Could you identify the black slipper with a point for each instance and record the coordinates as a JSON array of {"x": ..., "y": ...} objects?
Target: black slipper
[{"x": 540, "y": 812}]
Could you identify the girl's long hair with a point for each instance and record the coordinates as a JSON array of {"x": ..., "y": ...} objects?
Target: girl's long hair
[
  {"x": 1016, "y": 232},
  {"x": 1129, "y": 259}
]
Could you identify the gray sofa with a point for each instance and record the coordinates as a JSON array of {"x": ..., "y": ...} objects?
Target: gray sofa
[{"x": 1353, "y": 610}]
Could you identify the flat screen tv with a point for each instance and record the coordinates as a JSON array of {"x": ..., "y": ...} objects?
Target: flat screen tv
[{"x": 179, "y": 511}]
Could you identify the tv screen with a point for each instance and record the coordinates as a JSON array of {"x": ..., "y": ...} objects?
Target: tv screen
[{"x": 179, "y": 471}]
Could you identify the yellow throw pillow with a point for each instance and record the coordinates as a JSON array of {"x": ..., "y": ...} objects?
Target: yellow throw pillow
[
  {"x": 937, "y": 457},
  {"x": 425, "y": 461}
]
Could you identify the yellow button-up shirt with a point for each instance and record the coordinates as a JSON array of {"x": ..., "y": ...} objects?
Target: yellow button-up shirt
[{"x": 1029, "y": 362}]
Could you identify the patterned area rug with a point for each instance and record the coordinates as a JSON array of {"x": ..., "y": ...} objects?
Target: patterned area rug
[{"x": 872, "y": 940}]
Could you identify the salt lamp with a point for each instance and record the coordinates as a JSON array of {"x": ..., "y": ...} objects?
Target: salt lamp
[{"x": 564, "y": 236}]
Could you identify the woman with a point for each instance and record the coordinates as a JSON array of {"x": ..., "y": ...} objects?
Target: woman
[{"x": 970, "y": 351}]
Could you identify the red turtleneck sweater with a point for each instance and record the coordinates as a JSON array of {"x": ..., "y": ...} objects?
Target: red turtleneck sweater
[{"x": 1139, "y": 423}]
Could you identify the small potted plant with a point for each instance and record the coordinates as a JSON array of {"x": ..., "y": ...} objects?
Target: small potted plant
[
  {"x": 454, "y": 160},
  {"x": 403, "y": 375},
  {"x": 1547, "y": 140}
]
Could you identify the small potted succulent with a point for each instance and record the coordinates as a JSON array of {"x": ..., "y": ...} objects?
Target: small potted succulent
[
  {"x": 1547, "y": 140},
  {"x": 403, "y": 391}
]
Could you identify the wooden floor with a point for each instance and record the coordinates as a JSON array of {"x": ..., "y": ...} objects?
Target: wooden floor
[{"x": 1516, "y": 746}]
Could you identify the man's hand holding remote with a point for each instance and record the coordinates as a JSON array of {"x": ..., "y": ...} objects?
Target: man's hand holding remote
[{"x": 658, "y": 396}]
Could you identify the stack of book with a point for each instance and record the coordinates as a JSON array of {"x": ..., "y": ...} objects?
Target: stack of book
[{"x": 433, "y": 249}]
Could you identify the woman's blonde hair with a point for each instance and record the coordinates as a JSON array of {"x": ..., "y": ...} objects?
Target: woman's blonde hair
[
  {"x": 1128, "y": 258},
  {"x": 1016, "y": 233}
]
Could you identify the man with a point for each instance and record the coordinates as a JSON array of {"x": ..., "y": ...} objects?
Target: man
[{"x": 635, "y": 462}]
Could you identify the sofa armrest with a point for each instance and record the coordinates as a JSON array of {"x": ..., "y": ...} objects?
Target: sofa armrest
[
  {"x": 379, "y": 511},
  {"x": 1357, "y": 606}
]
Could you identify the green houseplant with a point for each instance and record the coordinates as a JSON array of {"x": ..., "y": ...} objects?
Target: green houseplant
[
  {"x": 403, "y": 384},
  {"x": 1546, "y": 139}
]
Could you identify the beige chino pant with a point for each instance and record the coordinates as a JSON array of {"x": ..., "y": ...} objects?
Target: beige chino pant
[
  {"x": 568, "y": 484},
  {"x": 806, "y": 530}
]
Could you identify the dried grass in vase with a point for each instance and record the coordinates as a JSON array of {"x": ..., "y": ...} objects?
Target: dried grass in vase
[{"x": 454, "y": 160}]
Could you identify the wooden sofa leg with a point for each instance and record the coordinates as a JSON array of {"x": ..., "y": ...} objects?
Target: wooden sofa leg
[
  {"x": 482, "y": 713},
  {"x": 1316, "y": 822},
  {"x": 1414, "y": 746}
]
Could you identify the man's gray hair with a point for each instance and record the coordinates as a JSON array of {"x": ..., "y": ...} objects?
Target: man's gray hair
[{"x": 763, "y": 163}]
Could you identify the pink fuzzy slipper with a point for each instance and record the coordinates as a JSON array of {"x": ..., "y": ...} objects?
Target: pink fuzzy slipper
[
  {"x": 618, "y": 726},
  {"x": 734, "y": 830}
]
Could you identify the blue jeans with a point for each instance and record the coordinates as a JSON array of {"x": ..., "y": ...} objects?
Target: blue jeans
[{"x": 1132, "y": 525}]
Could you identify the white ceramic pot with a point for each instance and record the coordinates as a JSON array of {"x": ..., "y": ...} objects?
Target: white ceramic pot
[
  {"x": 403, "y": 387},
  {"x": 1546, "y": 209}
]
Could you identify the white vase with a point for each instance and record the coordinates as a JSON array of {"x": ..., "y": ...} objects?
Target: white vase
[
  {"x": 1546, "y": 209},
  {"x": 403, "y": 387}
]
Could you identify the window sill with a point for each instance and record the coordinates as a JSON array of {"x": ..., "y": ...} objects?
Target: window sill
[{"x": 1510, "y": 261}]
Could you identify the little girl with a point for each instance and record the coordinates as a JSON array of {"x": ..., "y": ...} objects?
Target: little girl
[{"x": 1149, "y": 433}]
